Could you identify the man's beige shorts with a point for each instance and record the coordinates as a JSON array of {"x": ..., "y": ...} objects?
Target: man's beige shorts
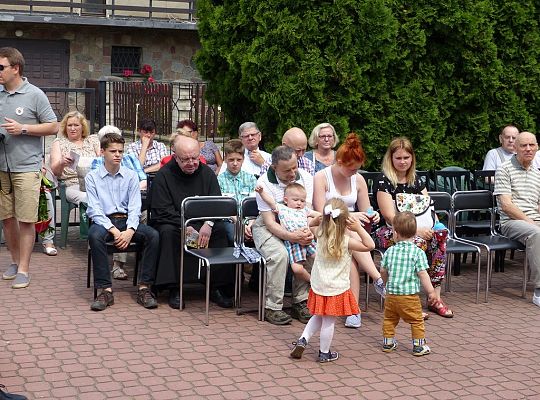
[{"x": 20, "y": 197}]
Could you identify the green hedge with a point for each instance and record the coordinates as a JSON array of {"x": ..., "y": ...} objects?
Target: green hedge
[{"x": 447, "y": 74}]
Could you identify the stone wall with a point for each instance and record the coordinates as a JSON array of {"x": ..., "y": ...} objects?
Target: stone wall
[{"x": 169, "y": 52}]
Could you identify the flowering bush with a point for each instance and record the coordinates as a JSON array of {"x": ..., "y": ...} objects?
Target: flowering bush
[{"x": 146, "y": 72}]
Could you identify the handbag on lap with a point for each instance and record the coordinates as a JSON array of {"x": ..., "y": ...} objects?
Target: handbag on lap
[{"x": 420, "y": 205}]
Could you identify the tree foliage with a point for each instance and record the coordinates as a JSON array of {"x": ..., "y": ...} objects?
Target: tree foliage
[{"x": 447, "y": 74}]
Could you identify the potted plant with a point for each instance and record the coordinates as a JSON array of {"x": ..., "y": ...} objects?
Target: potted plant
[{"x": 42, "y": 224}]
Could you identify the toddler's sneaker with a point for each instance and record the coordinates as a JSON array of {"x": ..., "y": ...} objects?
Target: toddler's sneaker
[
  {"x": 354, "y": 321},
  {"x": 328, "y": 357},
  {"x": 389, "y": 346},
  {"x": 421, "y": 350},
  {"x": 299, "y": 348},
  {"x": 380, "y": 287}
]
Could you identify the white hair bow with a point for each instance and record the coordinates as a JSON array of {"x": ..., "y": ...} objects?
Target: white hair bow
[{"x": 335, "y": 212}]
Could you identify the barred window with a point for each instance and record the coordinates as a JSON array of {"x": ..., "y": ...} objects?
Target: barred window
[{"x": 125, "y": 58}]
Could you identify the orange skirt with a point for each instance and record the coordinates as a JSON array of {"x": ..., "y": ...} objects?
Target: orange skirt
[{"x": 343, "y": 304}]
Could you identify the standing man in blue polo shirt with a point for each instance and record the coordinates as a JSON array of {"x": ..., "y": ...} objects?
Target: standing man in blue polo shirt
[{"x": 25, "y": 117}]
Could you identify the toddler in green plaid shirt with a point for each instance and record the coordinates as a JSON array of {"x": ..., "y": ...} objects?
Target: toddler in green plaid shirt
[{"x": 403, "y": 268}]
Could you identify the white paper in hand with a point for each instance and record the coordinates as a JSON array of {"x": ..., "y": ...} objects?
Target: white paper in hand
[{"x": 75, "y": 157}]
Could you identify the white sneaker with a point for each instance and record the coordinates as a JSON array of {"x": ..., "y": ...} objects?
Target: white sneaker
[
  {"x": 536, "y": 300},
  {"x": 354, "y": 321}
]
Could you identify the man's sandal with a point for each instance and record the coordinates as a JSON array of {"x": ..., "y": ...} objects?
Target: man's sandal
[{"x": 442, "y": 309}]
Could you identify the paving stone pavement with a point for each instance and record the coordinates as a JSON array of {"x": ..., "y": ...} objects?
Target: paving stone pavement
[{"x": 53, "y": 347}]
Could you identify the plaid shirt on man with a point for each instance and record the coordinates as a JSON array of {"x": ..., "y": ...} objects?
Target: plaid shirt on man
[
  {"x": 403, "y": 261},
  {"x": 303, "y": 163},
  {"x": 153, "y": 154}
]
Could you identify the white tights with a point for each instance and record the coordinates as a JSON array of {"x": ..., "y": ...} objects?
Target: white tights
[{"x": 323, "y": 323}]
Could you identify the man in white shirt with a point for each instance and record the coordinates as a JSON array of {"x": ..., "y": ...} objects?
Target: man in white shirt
[
  {"x": 254, "y": 158},
  {"x": 268, "y": 236}
]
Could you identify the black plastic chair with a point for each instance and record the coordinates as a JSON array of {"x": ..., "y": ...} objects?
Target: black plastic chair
[
  {"x": 482, "y": 200},
  {"x": 442, "y": 203},
  {"x": 425, "y": 178},
  {"x": 483, "y": 180},
  {"x": 248, "y": 212},
  {"x": 371, "y": 178},
  {"x": 452, "y": 179},
  {"x": 209, "y": 208}
]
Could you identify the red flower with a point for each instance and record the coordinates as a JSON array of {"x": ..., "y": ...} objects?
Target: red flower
[
  {"x": 146, "y": 69},
  {"x": 151, "y": 79},
  {"x": 127, "y": 73}
]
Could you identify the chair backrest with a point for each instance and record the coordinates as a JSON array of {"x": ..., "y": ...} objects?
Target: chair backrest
[
  {"x": 197, "y": 208},
  {"x": 483, "y": 180},
  {"x": 442, "y": 203},
  {"x": 473, "y": 200},
  {"x": 452, "y": 180},
  {"x": 425, "y": 178},
  {"x": 249, "y": 209},
  {"x": 371, "y": 178}
]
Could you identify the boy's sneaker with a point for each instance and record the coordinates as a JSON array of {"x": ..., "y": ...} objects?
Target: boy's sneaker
[
  {"x": 354, "y": 321},
  {"x": 10, "y": 273},
  {"x": 21, "y": 281},
  {"x": 328, "y": 357},
  {"x": 389, "y": 347},
  {"x": 380, "y": 287},
  {"x": 299, "y": 348},
  {"x": 146, "y": 298},
  {"x": 104, "y": 300},
  {"x": 421, "y": 350}
]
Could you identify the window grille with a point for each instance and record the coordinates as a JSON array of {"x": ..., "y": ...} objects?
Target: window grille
[{"x": 125, "y": 58}]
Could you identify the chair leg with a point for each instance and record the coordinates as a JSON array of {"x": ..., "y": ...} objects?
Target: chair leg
[
  {"x": 478, "y": 279},
  {"x": 488, "y": 273},
  {"x": 238, "y": 287},
  {"x": 64, "y": 225},
  {"x": 89, "y": 272},
  {"x": 367, "y": 291},
  {"x": 262, "y": 289},
  {"x": 525, "y": 276},
  {"x": 448, "y": 272},
  {"x": 136, "y": 271},
  {"x": 207, "y": 306}
]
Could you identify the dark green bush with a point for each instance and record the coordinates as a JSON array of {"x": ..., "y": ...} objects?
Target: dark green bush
[{"x": 447, "y": 74}]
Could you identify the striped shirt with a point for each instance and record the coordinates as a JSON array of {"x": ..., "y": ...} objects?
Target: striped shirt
[
  {"x": 403, "y": 261},
  {"x": 522, "y": 184},
  {"x": 154, "y": 154}
]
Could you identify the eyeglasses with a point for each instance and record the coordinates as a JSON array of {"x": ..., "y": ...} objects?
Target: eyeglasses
[
  {"x": 326, "y": 137},
  {"x": 186, "y": 160},
  {"x": 3, "y": 67}
]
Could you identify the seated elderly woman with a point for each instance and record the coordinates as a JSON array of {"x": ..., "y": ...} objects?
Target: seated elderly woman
[
  {"x": 323, "y": 140},
  {"x": 74, "y": 142}
]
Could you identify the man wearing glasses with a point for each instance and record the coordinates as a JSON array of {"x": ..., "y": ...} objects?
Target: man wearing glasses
[
  {"x": 175, "y": 181},
  {"x": 254, "y": 157},
  {"x": 25, "y": 117}
]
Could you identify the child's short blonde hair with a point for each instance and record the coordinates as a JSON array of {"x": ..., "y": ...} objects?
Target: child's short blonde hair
[
  {"x": 294, "y": 186},
  {"x": 405, "y": 224}
]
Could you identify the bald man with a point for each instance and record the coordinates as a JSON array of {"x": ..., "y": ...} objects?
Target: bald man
[
  {"x": 296, "y": 139},
  {"x": 517, "y": 187},
  {"x": 181, "y": 177}
]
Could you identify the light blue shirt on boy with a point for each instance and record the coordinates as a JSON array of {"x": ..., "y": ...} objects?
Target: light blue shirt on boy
[{"x": 110, "y": 194}]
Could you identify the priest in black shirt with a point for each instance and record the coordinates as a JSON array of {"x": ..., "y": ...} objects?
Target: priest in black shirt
[{"x": 181, "y": 177}]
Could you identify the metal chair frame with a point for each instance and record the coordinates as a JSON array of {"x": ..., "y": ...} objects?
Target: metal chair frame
[
  {"x": 482, "y": 200},
  {"x": 209, "y": 208}
]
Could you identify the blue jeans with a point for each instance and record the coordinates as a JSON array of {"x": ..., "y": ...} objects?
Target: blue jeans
[{"x": 98, "y": 237}]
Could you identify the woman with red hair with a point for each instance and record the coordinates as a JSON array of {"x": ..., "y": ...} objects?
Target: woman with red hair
[{"x": 342, "y": 181}]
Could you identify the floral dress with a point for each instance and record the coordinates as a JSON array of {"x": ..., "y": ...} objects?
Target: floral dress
[
  {"x": 435, "y": 248},
  {"x": 209, "y": 150}
]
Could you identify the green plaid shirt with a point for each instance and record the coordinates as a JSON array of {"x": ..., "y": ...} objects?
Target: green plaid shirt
[
  {"x": 238, "y": 186},
  {"x": 403, "y": 261}
]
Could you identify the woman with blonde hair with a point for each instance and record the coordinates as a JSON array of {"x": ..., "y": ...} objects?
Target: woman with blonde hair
[
  {"x": 323, "y": 140},
  {"x": 399, "y": 176},
  {"x": 74, "y": 141}
]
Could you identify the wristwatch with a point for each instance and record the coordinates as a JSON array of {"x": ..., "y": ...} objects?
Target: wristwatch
[
  {"x": 24, "y": 130},
  {"x": 209, "y": 223}
]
